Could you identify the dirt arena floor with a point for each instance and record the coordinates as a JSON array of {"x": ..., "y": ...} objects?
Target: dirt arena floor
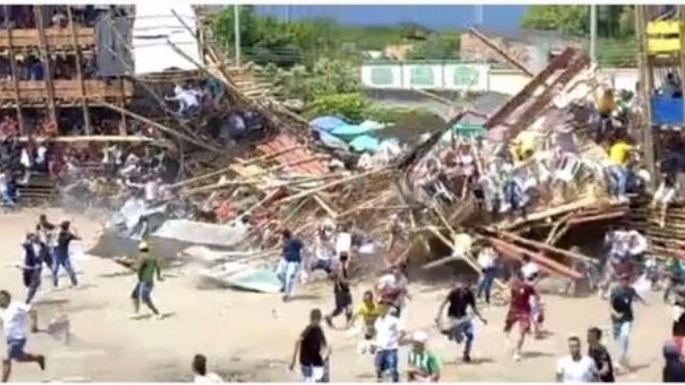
[{"x": 249, "y": 336}]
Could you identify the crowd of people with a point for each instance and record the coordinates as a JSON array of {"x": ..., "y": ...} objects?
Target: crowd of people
[{"x": 383, "y": 311}]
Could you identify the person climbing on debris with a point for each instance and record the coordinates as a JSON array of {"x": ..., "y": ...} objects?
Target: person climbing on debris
[
  {"x": 617, "y": 170},
  {"x": 462, "y": 308},
  {"x": 289, "y": 265},
  {"x": 147, "y": 268},
  {"x": 520, "y": 311},
  {"x": 15, "y": 316},
  {"x": 665, "y": 195},
  {"x": 62, "y": 257}
]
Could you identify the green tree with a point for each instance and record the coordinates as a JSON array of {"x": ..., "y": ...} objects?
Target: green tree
[
  {"x": 569, "y": 19},
  {"x": 614, "y": 21},
  {"x": 436, "y": 47}
]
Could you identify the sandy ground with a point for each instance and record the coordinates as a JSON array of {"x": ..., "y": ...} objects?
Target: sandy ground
[{"x": 250, "y": 336}]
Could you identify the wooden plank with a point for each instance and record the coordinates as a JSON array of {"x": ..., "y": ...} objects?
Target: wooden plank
[
  {"x": 484, "y": 39},
  {"x": 163, "y": 128},
  {"x": 540, "y": 102},
  {"x": 528, "y": 91}
]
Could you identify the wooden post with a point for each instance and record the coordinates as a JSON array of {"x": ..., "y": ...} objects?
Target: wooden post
[
  {"x": 14, "y": 72},
  {"x": 646, "y": 84},
  {"x": 45, "y": 58},
  {"x": 79, "y": 73}
]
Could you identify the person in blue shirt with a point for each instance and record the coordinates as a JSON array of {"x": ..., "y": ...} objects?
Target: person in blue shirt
[{"x": 289, "y": 265}]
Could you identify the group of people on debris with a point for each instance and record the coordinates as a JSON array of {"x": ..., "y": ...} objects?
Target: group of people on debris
[{"x": 535, "y": 164}]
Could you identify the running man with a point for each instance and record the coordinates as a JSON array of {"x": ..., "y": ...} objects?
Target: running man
[
  {"x": 460, "y": 300},
  {"x": 576, "y": 367},
  {"x": 35, "y": 253},
  {"x": 424, "y": 364},
  {"x": 367, "y": 310},
  {"x": 61, "y": 257},
  {"x": 147, "y": 269},
  {"x": 622, "y": 317},
  {"x": 289, "y": 266},
  {"x": 599, "y": 353},
  {"x": 342, "y": 296},
  {"x": 312, "y": 349},
  {"x": 387, "y": 343},
  {"x": 14, "y": 316},
  {"x": 520, "y": 311}
]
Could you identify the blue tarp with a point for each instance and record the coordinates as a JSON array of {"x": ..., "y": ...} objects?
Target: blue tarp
[
  {"x": 365, "y": 143},
  {"x": 666, "y": 110},
  {"x": 327, "y": 123}
]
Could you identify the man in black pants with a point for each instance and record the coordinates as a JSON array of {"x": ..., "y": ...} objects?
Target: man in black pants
[
  {"x": 313, "y": 351},
  {"x": 342, "y": 295}
]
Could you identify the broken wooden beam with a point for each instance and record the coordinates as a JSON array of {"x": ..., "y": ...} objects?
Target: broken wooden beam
[
  {"x": 162, "y": 128},
  {"x": 492, "y": 45},
  {"x": 529, "y": 90}
]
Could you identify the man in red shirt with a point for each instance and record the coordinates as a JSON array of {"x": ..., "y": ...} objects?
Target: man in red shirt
[{"x": 520, "y": 311}]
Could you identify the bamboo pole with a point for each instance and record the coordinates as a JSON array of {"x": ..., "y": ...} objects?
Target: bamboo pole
[
  {"x": 333, "y": 184},
  {"x": 47, "y": 73},
  {"x": 15, "y": 73},
  {"x": 79, "y": 74},
  {"x": 545, "y": 247},
  {"x": 162, "y": 127}
]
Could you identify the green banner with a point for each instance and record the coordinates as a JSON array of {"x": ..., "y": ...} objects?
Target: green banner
[
  {"x": 421, "y": 76},
  {"x": 382, "y": 76},
  {"x": 465, "y": 76}
]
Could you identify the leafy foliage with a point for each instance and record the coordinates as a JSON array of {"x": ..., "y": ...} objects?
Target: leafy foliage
[
  {"x": 614, "y": 21},
  {"x": 326, "y": 77},
  {"x": 569, "y": 19},
  {"x": 436, "y": 47}
]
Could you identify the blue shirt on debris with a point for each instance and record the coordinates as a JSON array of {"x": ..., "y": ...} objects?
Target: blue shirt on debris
[{"x": 292, "y": 249}]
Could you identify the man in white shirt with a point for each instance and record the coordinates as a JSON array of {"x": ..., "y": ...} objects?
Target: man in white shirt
[
  {"x": 14, "y": 316},
  {"x": 387, "y": 343},
  {"x": 576, "y": 367},
  {"x": 529, "y": 270},
  {"x": 323, "y": 252},
  {"x": 637, "y": 244},
  {"x": 343, "y": 245},
  {"x": 487, "y": 259}
]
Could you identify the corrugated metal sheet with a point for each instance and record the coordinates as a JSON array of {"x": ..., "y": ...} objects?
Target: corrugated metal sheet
[{"x": 154, "y": 28}]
